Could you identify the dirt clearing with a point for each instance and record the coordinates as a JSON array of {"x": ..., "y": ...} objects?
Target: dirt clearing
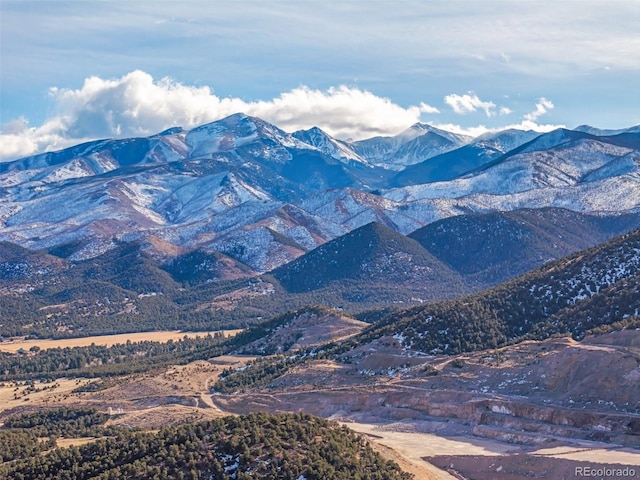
[{"x": 483, "y": 459}]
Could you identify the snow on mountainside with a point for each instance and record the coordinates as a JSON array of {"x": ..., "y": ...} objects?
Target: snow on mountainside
[
  {"x": 240, "y": 130},
  {"x": 567, "y": 164},
  {"x": 541, "y": 303},
  {"x": 354, "y": 208},
  {"x": 603, "y": 270},
  {"x": 463, "y": 160},
  {"x": 417, "y": 143},
  {"x": 552, "y": 139},
  {"x": 95, "y": 158},
  {"x": 325, "y": 143},
  {"x": 505, "y": 140},
  {"x": 606, "y": 132},
  {"x": 241, "y": 182}
]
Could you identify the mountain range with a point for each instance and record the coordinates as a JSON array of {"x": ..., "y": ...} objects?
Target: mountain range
[
  {"x": 427, "y": 281},
  {"x": 241, "y": 218},
  {"x": 367, "y": 270},
  {"x": 244, "y": 188},
  {"x": 575, "y": 294}
]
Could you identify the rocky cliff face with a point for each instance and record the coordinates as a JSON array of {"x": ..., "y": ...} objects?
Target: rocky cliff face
[{"x": 534, "y": 393}]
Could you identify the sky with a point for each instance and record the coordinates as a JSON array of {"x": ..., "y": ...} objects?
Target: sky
[{"x": 72, "y": 71}]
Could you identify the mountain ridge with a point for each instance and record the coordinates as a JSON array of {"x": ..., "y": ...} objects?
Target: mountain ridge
[
  {"x": 222, "y": 185},
  {"x": 510, "y": 312},
  {"x": 373, "y": 253}
]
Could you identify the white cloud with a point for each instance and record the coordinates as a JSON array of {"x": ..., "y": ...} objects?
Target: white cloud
[
  {"x": 424, "y": 108},
  {"x": 343, "y": 112},
  {"x": 19, "y": 139},
  {"x": 478, "y": 130},
  {"x": 136, "y": 105},
  {"x": 542, "y": 107},
  {"x": 528, "y": 122},
  {"x": 469, "y": 102}
]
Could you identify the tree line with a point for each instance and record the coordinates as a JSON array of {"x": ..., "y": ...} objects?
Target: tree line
[{"x": 257, "y": 446}]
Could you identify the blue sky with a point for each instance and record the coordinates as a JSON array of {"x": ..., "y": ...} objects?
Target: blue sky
[{"x": 77, "y": 70}]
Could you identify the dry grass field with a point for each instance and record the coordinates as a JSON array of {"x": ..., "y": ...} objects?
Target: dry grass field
[
  {"x": 13, "y": 345},
  {"x": 74, "y": 442},
  {"x": 176, "y": 394},
  {"x": 58, "y": 392}
]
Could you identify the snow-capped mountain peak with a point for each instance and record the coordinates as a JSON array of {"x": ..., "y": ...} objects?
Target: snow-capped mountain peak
[
  {"x": 419, "y": 129},
  {"x": 505, "y": 140},
  {"x": 236, "y": 131},
  {"x": 318, "y": 138},
  {"x": 213, "y": 186},
  {"x": 413, "y": 145}
]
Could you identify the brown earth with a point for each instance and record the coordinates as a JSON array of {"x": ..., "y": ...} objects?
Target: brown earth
[
  {"x": 517, "y": 467},
  {"x": 534, "y": 407},
  {"x": 153, "y": 397},
  {"x": 526, "y": 398},
  {"x": 308, "y": 329},
  {"x": 16, "y": 396}
]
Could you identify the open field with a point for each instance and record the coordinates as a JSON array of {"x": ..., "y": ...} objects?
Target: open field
[
  {"x": 18, "y": 394},
  {"x": 155, "y": 393},
  {"x": 74, "y": 442},
  {"x": 155, "y": 418},
  {"x": 13, "y": 345}
]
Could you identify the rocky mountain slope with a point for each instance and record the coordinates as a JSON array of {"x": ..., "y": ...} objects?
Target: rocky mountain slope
[
  {"x": 491, "y": 248},
  {"x": 541, "y": 303},
  {"x": 417, "y": 143},
  {"x": 369, "y": 255},
  {"x": 129, "y": 289},
  {"x": 247, "y": 189}
]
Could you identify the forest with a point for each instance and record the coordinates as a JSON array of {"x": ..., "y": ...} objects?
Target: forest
[{"x": 250, "y": 447}]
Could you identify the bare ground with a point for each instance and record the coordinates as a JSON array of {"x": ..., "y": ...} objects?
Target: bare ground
[
  {"x": 537, "y": 408},
  {"x": 479, "y": 458},
  {"x": 549, "y": 404},
  {"x": 181, "y": 389}
]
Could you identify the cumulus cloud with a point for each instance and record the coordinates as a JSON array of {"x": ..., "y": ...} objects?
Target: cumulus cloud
[
  {"x": 542, "y": 107},
  {"x": 469, "y": 102},
  {"x": 19, "y": 139},
  {"x": 424, "y": 108},
  {"x": 478, "y": 130},
  {"x": 137, "y": 105},
  {"x": 528, "y": 122},
  {"x": 343, "y": 112}
]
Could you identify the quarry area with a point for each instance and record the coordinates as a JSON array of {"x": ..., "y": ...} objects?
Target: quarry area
[{"x": 534, "y": 409}]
